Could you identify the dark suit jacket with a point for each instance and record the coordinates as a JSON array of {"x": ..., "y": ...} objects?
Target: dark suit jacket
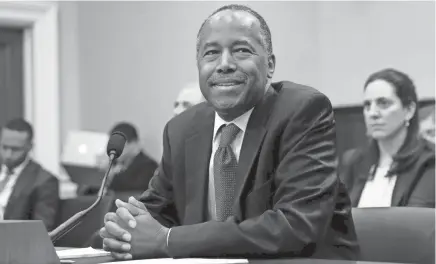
[
  {"x": 289, "y": 202},
  {"x": 137, "y": 175},
  {"x": 414, "y": 187},
  {"x": 35, "y": 196}
]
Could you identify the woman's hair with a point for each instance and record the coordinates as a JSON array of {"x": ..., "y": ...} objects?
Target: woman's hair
[{"x": 405, "y": 90}]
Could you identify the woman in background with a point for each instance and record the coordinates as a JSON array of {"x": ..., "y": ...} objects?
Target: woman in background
[{"x": 397, "y": 166}]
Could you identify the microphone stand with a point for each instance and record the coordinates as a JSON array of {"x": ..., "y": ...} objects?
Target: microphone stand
[{"x": 76, "y": 219}]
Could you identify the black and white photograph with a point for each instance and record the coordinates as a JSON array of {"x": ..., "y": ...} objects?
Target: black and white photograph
[{"x": 217, "y": 132}]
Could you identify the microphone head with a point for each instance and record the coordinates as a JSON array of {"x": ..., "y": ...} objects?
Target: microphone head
[{"x": 115, "y": 145}]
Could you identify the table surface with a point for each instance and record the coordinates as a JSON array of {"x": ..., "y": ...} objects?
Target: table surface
[{"x": 96, "y": 260}]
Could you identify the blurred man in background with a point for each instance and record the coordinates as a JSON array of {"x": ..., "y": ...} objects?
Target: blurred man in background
[
  {"x": 189, "y": 96},
  {"x": 134, "y": 167},
  {"x": 427, "y": 122},
  {"x": 133, "y": 170},
  {"x": 27, "y": 191}
]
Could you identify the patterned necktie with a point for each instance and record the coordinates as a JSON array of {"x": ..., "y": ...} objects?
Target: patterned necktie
[
  {"x": 224, "y": 168},
  {"x": 5, "y": 180}
]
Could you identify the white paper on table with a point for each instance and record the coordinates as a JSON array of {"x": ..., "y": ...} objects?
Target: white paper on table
[
  {"x": 183, "y": 261},
  {"x": 81, "y": 253}
]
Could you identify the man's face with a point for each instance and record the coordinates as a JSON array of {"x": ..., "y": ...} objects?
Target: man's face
[
  {"x": 129, "y": 151},
  {"x": 14, "y": 147},
  {"x": 234, "y": 67}
]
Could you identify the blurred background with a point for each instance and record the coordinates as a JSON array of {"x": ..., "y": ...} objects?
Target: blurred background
[
  {"x": 113, "y": 61},
  {"x": 129, "y": 60}
]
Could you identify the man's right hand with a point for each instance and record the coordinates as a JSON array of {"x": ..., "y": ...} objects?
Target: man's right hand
[{"x": 115, "y": 238}]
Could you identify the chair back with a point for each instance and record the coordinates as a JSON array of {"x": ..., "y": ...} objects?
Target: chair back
[{"x": 396, "y": 234}]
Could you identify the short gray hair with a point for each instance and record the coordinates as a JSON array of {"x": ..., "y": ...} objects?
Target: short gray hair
[{"x": 264, "y": 29}]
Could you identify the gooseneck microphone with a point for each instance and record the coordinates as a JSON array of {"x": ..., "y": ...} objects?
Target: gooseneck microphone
[{"x": 114, "y": 149}]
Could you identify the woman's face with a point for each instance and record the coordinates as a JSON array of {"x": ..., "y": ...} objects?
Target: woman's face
[{"x": 385, "y": 115}]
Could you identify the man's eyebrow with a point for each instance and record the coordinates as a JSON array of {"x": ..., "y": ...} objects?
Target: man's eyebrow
[
  {"x": 236, "y": 42},
  {"x": 210, "y": 44},
  {"x": 243, "y": 42}
]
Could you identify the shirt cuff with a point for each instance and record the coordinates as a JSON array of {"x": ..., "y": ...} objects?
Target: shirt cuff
[{"x": 168, "y": 238}]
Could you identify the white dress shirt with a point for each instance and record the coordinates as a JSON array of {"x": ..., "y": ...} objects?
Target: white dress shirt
[
  {"x": 378, "y": 191},
  {"x": 236, "y": 146},
  {"x": 7, "y": 191},
  {"x": 241, "y": 122}
]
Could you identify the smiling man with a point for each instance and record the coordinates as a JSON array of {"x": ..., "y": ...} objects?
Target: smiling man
[{"x": 251, "y": 173}]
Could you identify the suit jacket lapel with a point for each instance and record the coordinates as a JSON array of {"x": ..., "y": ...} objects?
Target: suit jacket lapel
[
  {"x": 197, "y": 156},
  {"x": 361, "y": 175},
  {"x": 403, "y": 184},
  {"x": 24, "y": 182},
  {"x": 254, "y": 135},
  {"x": 361, "y": 179},
  {"x": 406, "y": 180}
]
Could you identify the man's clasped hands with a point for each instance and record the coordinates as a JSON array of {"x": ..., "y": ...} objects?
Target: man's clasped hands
[{"x": 131, "y": 232}]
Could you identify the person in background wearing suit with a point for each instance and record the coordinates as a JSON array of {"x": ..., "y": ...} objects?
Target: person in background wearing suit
[
  {"x": 189, "y": 96},
  {"x": 27, "y": 191},
  {"x": 251, "y": 173},
  {"x": 397, "y": 166},
  {"x": 133, "y": 170}
]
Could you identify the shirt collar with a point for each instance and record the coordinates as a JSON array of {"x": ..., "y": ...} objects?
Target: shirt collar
[{"x": 241, "y": 122}]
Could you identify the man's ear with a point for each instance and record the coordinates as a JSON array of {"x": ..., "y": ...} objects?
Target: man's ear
[
  {"x": 271, "y": 65},
  {"x": 29, "y": 146}
]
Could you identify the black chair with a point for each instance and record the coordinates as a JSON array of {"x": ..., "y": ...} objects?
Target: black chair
[
  {"x": 396, "y": 234},
  {"x": 92, "y": 222}
]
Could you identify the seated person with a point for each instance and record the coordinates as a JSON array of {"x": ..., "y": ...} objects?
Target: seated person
[
  {"x": 397, "y": 166},
  {"x": 133, "y": 170},
  {"x": 27, "y": 191},
  {"x": 427, "y": 123},
  {"x": 189, "y": 96},
  {"x": 251, "y": 173}
]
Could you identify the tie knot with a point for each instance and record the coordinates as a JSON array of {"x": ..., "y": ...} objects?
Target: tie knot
[{"x": 228, "y": 134}]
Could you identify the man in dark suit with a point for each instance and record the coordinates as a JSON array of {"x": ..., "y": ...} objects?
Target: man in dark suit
[
  {"x": 251, "y": 173},
  {"x": 27, "y": 191},
  {"x": 133, "y": 170}
]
